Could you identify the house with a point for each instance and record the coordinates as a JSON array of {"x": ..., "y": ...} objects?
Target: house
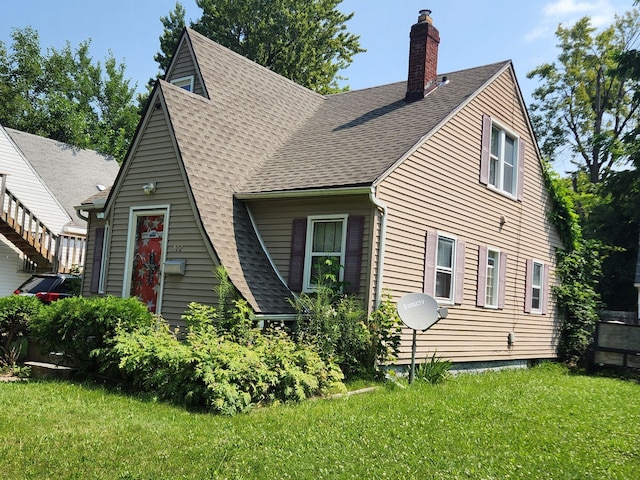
[
  {"x": 41, "y": 182},
  {"x": 432, "y": 185}
]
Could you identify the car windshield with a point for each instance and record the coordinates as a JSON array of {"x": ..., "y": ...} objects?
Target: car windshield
[{"x": 38, "y": 284}]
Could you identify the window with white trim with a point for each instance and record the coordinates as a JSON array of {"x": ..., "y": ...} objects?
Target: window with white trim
[
  {"x": 536, "y": 287},
  {"x": 326, "y": 241},
  {"x": 185, "y": 83},
  {"x": 503, "y": 160},
  {"x": 445, "y": 267},
  {"x": 493, "y": 278}
]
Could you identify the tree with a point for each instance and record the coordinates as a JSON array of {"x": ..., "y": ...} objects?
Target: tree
[
  {"x": 585, "y": 102},
  {"x": 303, "y": 40},
  {"x": 173, "y": 24},
  {"x": 65, "y": 95}
]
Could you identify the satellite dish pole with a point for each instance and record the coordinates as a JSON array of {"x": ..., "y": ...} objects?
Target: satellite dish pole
[{"x": 418, "y": 311}]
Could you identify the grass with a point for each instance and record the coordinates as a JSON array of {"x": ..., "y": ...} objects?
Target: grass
[{"x": 541, "y": 423}]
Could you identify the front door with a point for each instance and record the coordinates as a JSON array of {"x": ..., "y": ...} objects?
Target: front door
[{"x": 147, "y": 259}]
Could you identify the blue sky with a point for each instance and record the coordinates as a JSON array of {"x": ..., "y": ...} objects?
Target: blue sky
[{"x": 472, "y": 32}]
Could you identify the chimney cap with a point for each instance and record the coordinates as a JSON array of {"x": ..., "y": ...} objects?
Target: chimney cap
[{"x": 424, "y": 15}]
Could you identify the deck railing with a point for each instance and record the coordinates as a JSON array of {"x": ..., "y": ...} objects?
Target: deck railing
[{"x": 43, "y": 247}]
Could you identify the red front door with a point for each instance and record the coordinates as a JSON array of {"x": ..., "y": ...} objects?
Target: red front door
[{"x": 147, "y": 256}]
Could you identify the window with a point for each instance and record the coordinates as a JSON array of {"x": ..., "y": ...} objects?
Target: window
[
  {"x": 493, "y": 274},
  {"x": 536, "y": 287},
  {"x": 445, "y": 267},
  {"x": 184, "y": 82},
  {"x": 536, "y": 284},
  {"x": 326, "y": 240},
  {"x": 317, "y": 238},
  {"x": 502, "y": 159}
]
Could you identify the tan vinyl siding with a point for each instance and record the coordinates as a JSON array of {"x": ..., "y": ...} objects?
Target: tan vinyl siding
[
  {"x": 155, "y": 160},
  {"x": 274, "y": 219},
  {"x": 185, "y": 67},
  {"x": 438, "y": 189}
]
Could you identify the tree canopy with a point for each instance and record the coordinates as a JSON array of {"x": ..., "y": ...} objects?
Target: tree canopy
[
  {"x": 586, "y": 103},
  {"x": 65, "y": 95},
  {"x": 303, "y": 40}
]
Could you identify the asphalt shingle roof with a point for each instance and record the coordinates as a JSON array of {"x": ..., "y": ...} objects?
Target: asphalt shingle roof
[
  {"x": 259, "y": 132},
  {"x": 72, "y": 174}
]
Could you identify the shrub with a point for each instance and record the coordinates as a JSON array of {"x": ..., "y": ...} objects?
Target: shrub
[
  {"x": 337, "y": 325},
  {"x": 78, "y": 325},
  {"x": 213, "y": 371},
  {"x": 16, "y": 313}
]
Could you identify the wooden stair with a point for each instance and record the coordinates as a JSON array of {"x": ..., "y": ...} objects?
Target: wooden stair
[{"x": 43, "y": 247}]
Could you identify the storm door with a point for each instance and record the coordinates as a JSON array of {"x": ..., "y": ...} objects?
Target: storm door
[{"x": 146, "y": 244}]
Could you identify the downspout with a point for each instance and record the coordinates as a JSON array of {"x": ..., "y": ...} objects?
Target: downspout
[{"x": 381, "y": 244}]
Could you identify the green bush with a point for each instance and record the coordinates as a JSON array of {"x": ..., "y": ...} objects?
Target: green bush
[
  {"x": 78, "y": 325},
  {"x": 434, "y": 370},
  {"x": 16, "y": 313},
  {"x": 337, "y": 325},
  {"x": 215, "y": 372}
]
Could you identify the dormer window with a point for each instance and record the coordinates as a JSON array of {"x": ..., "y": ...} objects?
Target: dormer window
[{"x": 184, "y": 82}]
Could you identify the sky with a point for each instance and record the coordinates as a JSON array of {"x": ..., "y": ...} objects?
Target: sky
[{"x": 472, "y": 32}]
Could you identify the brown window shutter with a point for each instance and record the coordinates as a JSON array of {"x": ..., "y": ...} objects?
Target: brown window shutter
[
  {"x": 353, "y": 254},
  {"x": 481, "y": 294},
  {"x": 502, "y": 279},
  {"x": 521, "y": 152},
  {"x": 485, "y": 149},
  {"x": 430, "y": 245},
  {"x": 298, "y": 245},
  {"x": 97, "y": 260},
  {"x": 544, "y": 293},
  {"x": 527, "y": 287},
  {"x": 459, "y": 287}
]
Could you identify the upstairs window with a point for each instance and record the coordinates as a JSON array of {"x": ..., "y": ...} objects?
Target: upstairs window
[
  {"x": 184, "y": 82},
  {"x": 502, "y": 159}
]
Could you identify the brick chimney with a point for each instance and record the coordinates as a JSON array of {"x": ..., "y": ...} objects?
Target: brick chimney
[{"x": 423, "y": 57}]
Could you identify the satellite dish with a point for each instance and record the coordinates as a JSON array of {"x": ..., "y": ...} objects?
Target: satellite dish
[{"x": 418, "y": 311}]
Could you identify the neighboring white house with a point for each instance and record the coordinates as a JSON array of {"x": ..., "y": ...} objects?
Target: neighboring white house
[{"x": 44, "y": 179}]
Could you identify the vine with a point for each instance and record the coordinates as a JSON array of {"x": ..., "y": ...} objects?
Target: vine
[{"x": 578, "y": 270}]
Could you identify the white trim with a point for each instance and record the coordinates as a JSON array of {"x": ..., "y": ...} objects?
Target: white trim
[
  {"x": 499, "y": 187},
  {"x": 452, "y": 288},
  {"x": 543, "y": 265},
  {"x": 496, "y": 282},
  {"x": 134, "y": 213},
  {"x": 382, "y": 239},
  {"x": 264, "y": 248},
  {"x": 307, "y": 286},
  {"x": 303, "y": 193}
]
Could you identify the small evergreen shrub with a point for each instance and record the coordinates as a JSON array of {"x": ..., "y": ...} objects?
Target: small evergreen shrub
[
  {"x": 78, "y": 325},
  {"x": 16, "y": 313}
]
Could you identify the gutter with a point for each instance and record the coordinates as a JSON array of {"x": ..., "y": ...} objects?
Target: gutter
[
  {"x": 381, "y": 244},
  {"x": 302, "y": 193}
]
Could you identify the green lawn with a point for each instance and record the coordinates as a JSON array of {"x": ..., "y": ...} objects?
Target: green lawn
[{"x": 540, "y": 423}]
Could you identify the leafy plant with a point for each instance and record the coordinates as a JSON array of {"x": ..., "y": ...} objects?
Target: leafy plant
[
  {"x": 16, "y": 314},
  {"x": 434, "y": 370},
  {"x": 77, "y": 326}
]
